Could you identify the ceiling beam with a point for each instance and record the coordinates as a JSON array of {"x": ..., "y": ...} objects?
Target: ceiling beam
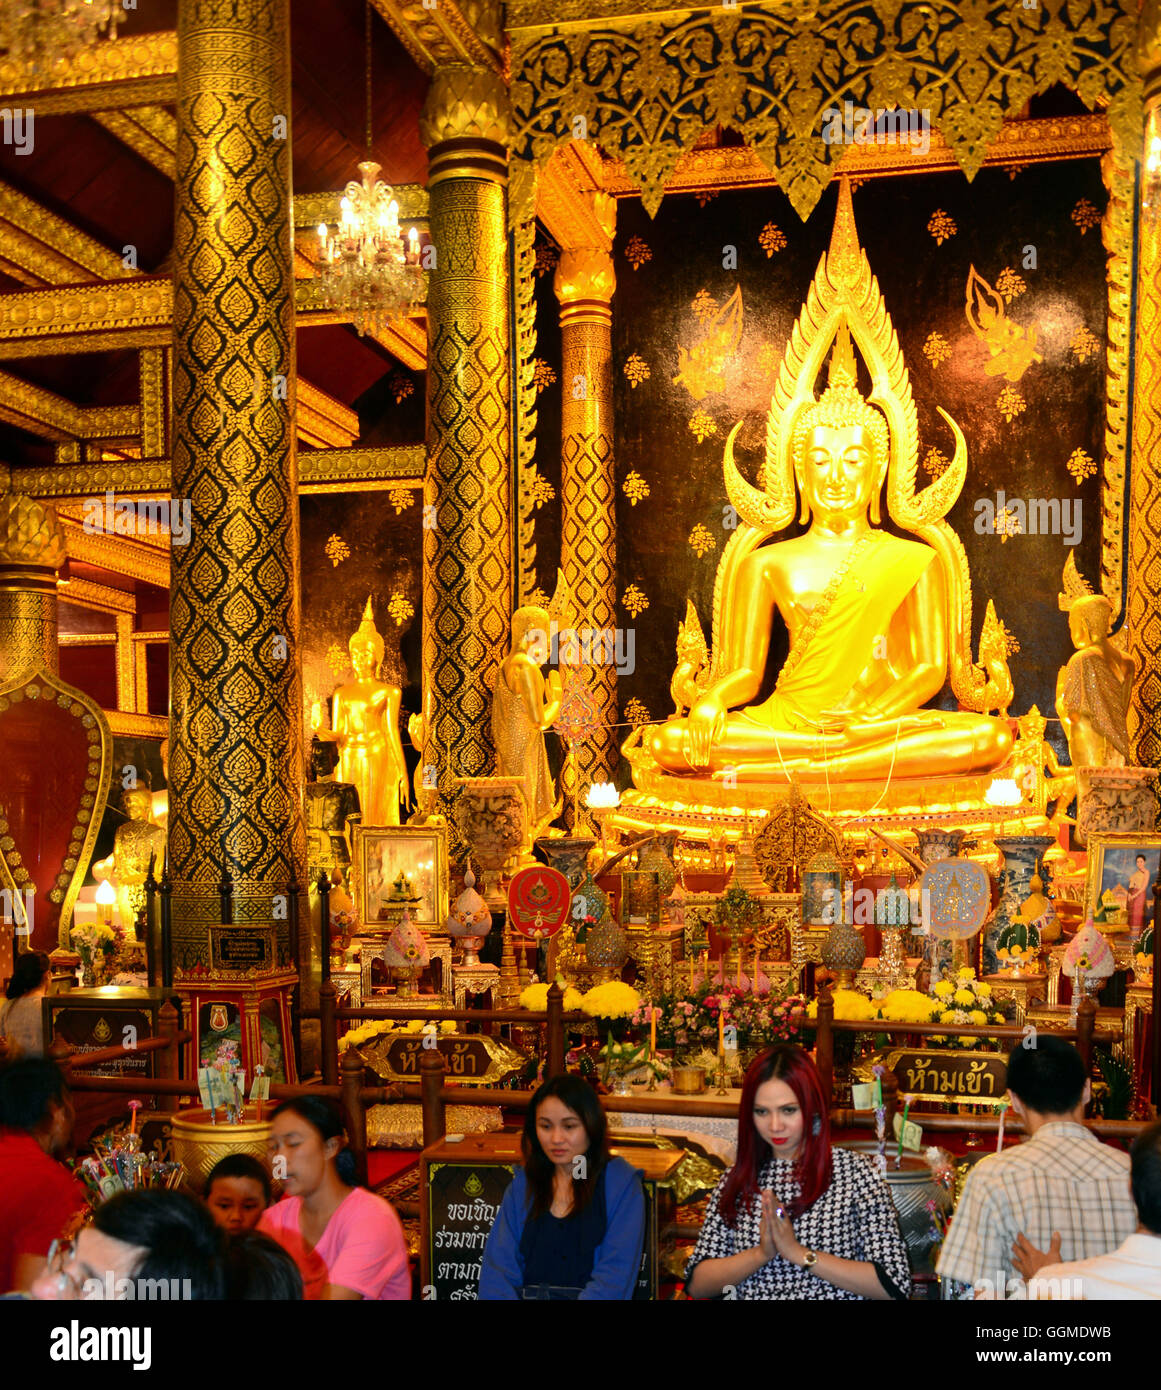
[
  {"x": 108, "y": 76},
  {"x": 149, "y": 131},
  {"x": 50, "y": 248},
  {"x": 321, "y": 420},
  {"x": 442, "y": 33},
  {"x": 50, "y": 416}
]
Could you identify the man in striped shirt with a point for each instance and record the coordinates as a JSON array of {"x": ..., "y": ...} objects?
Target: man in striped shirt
[{"x": 1062, "y": 1180}]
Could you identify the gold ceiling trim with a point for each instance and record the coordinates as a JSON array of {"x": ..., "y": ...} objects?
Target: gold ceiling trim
[
  {"x": 1019, "y": 142},
  {"x": 336, "y": 470},
  {"x": 564, "y": 200},
  {"x": 49, "y": 416},
  {"x": 647, "y": 88},
  {"x": 87, "y": 593},
  {"x": 129, "y": 725},
  {"x": 50, "y": 248},
  {"x": 321, "y": 420},
  {"x": 112, "y": 74},
  {"x": 121, "y": 554},
  {"x": 85, "y": 639},
  {"x": 56, "y": 344},
  {"x": 406, "y": 340},
  {"x": 450, "y": 31},
  {"x": 149, "y": 131}
]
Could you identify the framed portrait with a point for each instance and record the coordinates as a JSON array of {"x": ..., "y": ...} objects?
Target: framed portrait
[
  {"x": 1121, "y": 872},
  {"x": 420, "y": 852}
]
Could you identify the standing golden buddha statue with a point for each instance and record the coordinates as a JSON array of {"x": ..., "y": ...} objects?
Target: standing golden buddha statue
[
  {"x": 877, "y": 623},
  {"x": 366, "y": 729},
  {"x": 128, "y": 865},
  {"x": 1094, "y": 689},
  {"x": 524, "y": 704}
]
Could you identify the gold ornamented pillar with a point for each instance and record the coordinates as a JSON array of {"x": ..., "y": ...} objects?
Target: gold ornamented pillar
[
  {"x": 32, "y": 549},
  {"x": 467, "y": 539},
  {"x": 584, "y": 284},
  {"x": 1144, "y": 510},
  {"x": 235, "y": 763}
]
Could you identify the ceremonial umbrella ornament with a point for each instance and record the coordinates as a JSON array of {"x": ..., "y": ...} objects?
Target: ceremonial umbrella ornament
[
  {"x": 539, "y": 900},
  {"x": 957, "y": 894},
  {"x": 579, "y": 719}
]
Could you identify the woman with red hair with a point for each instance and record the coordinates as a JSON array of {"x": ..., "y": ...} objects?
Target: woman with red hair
[{"x": 795, "y": 1218}]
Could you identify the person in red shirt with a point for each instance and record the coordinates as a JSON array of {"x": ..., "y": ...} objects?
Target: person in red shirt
[{"x": 39, "y": 1197}]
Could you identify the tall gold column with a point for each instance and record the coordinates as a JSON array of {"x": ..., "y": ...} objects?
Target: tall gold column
[
  {"x": 467, "y": 539},
  {"x": 235, "y": 763},
  {"x": 32, "y": 549},
  {"x": 1144, "y": 510},
  {"x": 584, "y": 284}
]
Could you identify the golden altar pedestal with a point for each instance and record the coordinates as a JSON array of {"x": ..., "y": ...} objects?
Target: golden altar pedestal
[{"x": 1023, "y": 990}]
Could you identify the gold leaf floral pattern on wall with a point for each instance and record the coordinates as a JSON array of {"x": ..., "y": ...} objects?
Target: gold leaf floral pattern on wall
[
  {"x": 337, "y": 658},
  {"x": 542, "y": 374},
  {"x": 703, "y": 425},
  {"x": 935, "y": 462},
  {"x": 1085, "y": 216},
  {"x": 771, "y": 238},
  {"x": 635, "y": 488},
  {"x": 400, "y": 386},
  {"x": 941, "y": 226},
  {"x": 1010, "y": 284},
  {"x": 542, "y": 490},
  {"x": 1010, "y": 403},
  {"x": 704, "y": 305},
  {"x": 401, "y": 609},
  {"x": 636, "y": 712},
  {"x": 1006, "y": 524},
  {"x": 401, "y": 498},
  {"x": 337, "y": 550},
  {"x": 1084, "y": 344},
  {"x": 1081, "y": 465},
  {"x": 701, "y": 540},
  {"x": 634, "y": 600},
  {"x": 637, "y": 252},
  {"x": 636, "y": 369},
  {"x": 936, "y": 349}
]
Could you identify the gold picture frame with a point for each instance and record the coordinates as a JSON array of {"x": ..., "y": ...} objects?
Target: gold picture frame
[
  {"x": 1113, "y": 893},
  {"x": 382, "y": 852}
]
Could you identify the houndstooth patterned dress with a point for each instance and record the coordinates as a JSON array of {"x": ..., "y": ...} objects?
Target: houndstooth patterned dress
[{"x": 853, "y": 1219}]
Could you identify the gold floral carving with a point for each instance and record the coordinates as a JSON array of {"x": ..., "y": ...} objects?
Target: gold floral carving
[
  {"x": 703, "y": 425},
  {"x": 465, "y": 102},
  {"x": 1117, "y": 173},
  {"x": 1084, "y": 344},
  {"x": 526, "y": 267},
  {"x": 701, "y": 540},
  {"x": 1010, "y": 403},
  {"x": 936, "y": 349},
  {"x": 584, "y": 274},
  {"x": 1012, "y": 349},
  {"x": 648, "y": 80},
  {"x": 1085, "y": 216},
  {"x": 636, "y": 712},
  {"x": 1010, "y": 284},
  {"x": 702, "y": 368},
  {"x": 450, "y": 31},
  {"x": 635, "y": 488},
  {"x": 1081, "y": 465},
  {"x": 636, "y": 369},
  {"x": 637, "y": 252},
  {"x": 942, "y": 226},
  {"x": 935, "y": 462},
  {"x": 337, "y": 550},
  {"x": 771, "y": 239},
  {"x": 634, "y": 600},
  {"x": 401, "y": 609}
]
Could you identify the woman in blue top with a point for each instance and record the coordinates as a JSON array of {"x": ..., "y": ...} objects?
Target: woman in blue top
[{"x": 572, "y": 1224}]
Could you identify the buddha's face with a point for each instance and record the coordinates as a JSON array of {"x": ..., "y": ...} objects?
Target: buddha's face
[
  {"x": 839, "y": 471},
  {"x": 137, "y": 803},
  {"x": 364, "y": 659}
]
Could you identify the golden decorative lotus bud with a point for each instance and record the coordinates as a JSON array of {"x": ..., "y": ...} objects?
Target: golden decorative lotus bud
[
  {"x": 465, "y": 102},
  {"x": 30, "y": 533}
]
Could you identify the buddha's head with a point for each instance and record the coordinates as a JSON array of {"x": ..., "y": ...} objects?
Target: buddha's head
[
  {"x": 137, "y": 802},
  {"x": 840, "y": 446},
  {"x": 530, "y": 632},
  {"x": 1033, "y": 724},
  {"x": 366, "y": 646},
  {"x": 1089, "y": 619}
]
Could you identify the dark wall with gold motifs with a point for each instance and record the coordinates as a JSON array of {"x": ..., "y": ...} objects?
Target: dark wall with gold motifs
[
  {"x": 377, "y": 540},
  {"x": 923, "y": 234}
]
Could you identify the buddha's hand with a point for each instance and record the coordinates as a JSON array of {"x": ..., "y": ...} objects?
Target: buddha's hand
[
  {"x": 704, "y": 727},
  {"x": 553, "y": 684}
]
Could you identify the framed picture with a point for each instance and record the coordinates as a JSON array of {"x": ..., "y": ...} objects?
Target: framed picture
[
  {"x": 1121, "y": 872},
  {"x": 420, "y": 852}
]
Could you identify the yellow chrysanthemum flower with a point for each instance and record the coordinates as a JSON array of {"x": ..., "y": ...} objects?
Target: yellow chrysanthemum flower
[
  {"x": 964, "y": 997},
  {"x": 984, "y": 991},
  {"x": 943, "y": 989},
  {"x": 906, "y": 1006},
  {"x": 948, "y": 1016},
  {"x": 978, "y": 1017},
  {"x": 849, "y": 1006},
  {"x": 612, "y": 1000},
  {"x": 966, "y": 973}
]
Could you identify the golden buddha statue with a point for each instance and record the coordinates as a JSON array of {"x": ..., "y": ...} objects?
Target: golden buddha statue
[
  {"x": 1094, "y": 689},
  {"x": 876, "y": 622},
  {"x": 128, "y": 865},
  {"x": 524, "y": 704},
  {"x": 366, "y": 729}
]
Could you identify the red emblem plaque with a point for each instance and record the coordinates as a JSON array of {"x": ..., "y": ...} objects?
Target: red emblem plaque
[{"x": 539, "y": 900}]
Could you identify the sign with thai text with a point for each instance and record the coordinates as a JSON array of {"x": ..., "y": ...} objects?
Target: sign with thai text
[{"x": 952, "y": 1076}]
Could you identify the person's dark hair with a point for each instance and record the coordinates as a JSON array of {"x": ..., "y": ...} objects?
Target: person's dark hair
[
  {"x": 539, "y": 1169},
  {"x": 28, "y": 972},
  {"x": 179, "y": 1236},
  {"x": 1049, "y": 1077},
  {"x": 258, "y": 1268},
  {"x": 327, "y": 1118},
  {"x": 27, "y": 1087},
  {"x": 240, "y": 1166},
  {"x": 813, "y": 1167},
  {"x": 1146, "y": 1177}
]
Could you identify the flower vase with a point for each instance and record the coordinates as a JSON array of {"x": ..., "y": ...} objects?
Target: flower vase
[
  {"x": 1022, "y": 856},
  {"x": 568, "y": 853}
]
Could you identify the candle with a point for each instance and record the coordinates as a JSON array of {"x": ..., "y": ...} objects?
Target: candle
[
  {"x": 652, "y": 1032},
  {"x": 134, "y": 1106},
  {"x": 739, "y": 967},
  {"x": 721, "y": 1034}
]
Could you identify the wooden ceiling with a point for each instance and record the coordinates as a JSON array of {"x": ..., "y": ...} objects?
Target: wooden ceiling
[{"x": 82, "y": 172}]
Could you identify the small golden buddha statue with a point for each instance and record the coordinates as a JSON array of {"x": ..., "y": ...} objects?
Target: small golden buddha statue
[
  {"x": 1037, "y": 911},
  {"x": 366, "y": 730},
  {"x": 876, "y": 622},
  {"x": 1094, "y": 689},
  {"x": 524, "y": 704},
  {"x": 128, "y": 865}
]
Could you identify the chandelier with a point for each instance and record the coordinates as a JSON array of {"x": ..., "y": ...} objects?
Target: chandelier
[
  {"x": 39, "y": 33},
  {"x": 365, "y": 268}
]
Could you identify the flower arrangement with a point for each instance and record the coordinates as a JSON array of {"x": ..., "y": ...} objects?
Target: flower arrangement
[
  {"x": 95, "y": 943},
  {"x": 965, "y": 1000},
  {"x": 735, "y": 911},
  {"x": 688, "y": 1022},
  {"x": 1143, "y": 964},
  {"x": 906, "y": 1006},
  {"x": 535, "y": 999},
  {"x": 373, "y": 1028},
  {"x": 849, "y": 1006},
  {"x": 611, "y": 1000}
]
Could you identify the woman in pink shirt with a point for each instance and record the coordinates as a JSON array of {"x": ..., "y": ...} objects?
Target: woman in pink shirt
[{"x": 347, "y": 1242}]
